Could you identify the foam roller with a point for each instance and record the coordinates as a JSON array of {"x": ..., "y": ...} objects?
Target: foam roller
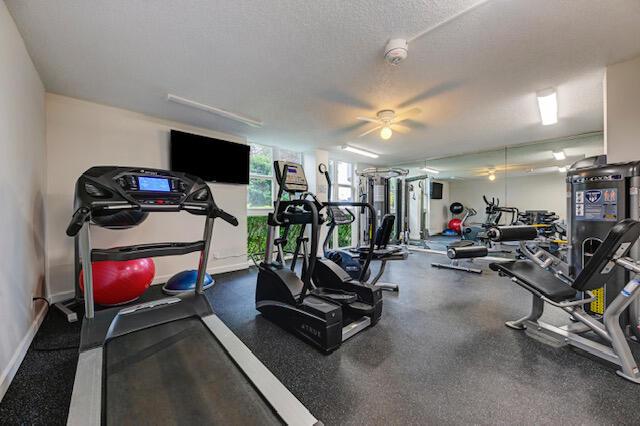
[
  {"x": 467, "y": 252},
  {"x": 513, "y": 233}
]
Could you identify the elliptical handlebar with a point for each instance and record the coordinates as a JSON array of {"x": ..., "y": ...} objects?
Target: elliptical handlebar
[{"x": 372, "y": 224}]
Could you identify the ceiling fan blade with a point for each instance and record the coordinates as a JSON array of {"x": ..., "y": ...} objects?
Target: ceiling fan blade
[
  {"x": 372, "y": 120},
  {"x": 369, "y": 131},
  {"x": 400, "y": 128},
  {"x": 407, "y": 114}
]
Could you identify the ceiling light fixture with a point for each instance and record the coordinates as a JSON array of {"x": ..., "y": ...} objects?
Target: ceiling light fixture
[
  {"x": 428, "y": 170},
  {"x": 559, "y": 155},
  {"x": 386, "y": 133},
  {"x": 359, "y": 151},
  {"x": 492, "y": 175},
  {"x": 562, "y": 169},
  {"x": 213, "y": 110},
  {"x": 548, "y": 106}
]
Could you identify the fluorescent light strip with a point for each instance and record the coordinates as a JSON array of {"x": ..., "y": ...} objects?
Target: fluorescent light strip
[
  {"x": 360, "y": 151},
  {"x": 428, "y": 170},
  {"x": 548, "y": 106},
  {"x": 213, "y": 110}
]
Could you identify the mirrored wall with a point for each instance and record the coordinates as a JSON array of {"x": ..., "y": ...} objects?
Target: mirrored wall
[{"x": 493, "y": 185}]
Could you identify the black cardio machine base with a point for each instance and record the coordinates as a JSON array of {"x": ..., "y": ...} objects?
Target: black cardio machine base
[{"x": 323, "y": 314}]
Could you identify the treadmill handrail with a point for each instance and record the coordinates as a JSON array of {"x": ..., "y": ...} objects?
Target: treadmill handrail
[{"x": 140, "y": 251}]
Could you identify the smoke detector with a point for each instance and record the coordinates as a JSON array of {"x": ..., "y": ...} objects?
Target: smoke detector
[{"x": 396, "y": 51}]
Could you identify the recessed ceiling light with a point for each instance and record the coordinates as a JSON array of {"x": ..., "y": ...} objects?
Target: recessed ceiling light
[
  {"x": 359, "y": 151},
  {"x": 429, "y": 170},
  {"x": 548, "y": 106},
  {"x": 560, "y": 155}
]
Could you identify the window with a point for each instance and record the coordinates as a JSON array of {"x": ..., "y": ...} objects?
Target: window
[
  {"x": 262, "y": 192},
  {"x": 342, "y": 176}
]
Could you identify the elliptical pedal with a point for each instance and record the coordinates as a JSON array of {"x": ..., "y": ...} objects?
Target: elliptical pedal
[
  {"x": 335, "y": 295},
  {"x": 360, "y": 308}
]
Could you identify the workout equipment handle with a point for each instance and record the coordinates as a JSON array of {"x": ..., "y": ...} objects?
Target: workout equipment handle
[
  {"x": 230, "y": 219},
  {"x": 512, "y": 233},
  {"x": 77, "y": 221},
  {"x": 372, "y": 223}
]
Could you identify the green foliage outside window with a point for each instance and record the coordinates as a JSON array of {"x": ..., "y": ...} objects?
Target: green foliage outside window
[
  {"x": 257, "y": 236},
  {"x": 344, "y": 235},
  {"x": 261, "y": 160}
]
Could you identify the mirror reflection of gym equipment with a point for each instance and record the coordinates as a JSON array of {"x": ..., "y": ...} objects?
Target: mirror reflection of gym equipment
[{"x": 416, "y": 217}]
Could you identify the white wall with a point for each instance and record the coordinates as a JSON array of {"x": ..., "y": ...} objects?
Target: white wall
[
  {"x": 83, "y": 134},
  {"x": 534, "y": 192},
  {"x": 22, "y": 171},
  {"x": 622, "y": 111}
]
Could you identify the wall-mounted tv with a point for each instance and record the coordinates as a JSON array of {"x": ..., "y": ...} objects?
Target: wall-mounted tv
[
  {"x": 436, "y": 191},
  {"x": 214, "y": 160}
]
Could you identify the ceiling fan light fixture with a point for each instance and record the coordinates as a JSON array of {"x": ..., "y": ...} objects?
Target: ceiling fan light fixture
[
  {"x": 386, "y": 133},
  {"x": 492, "y": 176}
]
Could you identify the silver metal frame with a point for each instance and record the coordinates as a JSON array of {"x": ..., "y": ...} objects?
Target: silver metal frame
[
  {"x": 455, "y": 264},
  {"x": 617, "y": 351},
  {"x": 383, "y": 285}
]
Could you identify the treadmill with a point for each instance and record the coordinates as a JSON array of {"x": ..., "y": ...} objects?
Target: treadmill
[{"x": 171, "y": 360}]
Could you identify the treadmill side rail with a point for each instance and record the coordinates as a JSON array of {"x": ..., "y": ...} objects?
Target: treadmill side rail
[
  {"x": 86, "y": 400},
  {"x": 285, "y": 404}
]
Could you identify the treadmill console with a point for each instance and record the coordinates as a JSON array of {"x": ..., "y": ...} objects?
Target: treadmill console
[
  {"x": 153, "y": 187},
  {"x": 294, "y": 180},
  {"x": 110, "y": 187}
]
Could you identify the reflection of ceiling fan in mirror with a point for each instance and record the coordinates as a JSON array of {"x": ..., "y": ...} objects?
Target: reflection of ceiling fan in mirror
[{"x": 387, "y": 121}]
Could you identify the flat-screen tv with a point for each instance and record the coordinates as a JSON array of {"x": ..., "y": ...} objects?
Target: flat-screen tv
[
  {"x": 436, "y": 191},
  {"x": 214, "y": 160}
]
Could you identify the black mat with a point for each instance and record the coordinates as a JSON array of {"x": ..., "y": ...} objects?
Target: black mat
[{"x": 440, "y": 355}]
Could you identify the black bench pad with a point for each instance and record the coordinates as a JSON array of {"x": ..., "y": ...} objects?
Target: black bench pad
[{"x": 537, "y": 280}]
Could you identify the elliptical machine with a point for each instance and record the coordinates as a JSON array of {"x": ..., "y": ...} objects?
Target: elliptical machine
[{"x": 323, "y": 312}]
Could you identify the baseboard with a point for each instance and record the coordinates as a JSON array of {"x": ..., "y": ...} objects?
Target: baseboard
[
  {"x": 10, "y": 371},
  {"x": 161, "y": 279},
  {"x": 61, "y": 296}
]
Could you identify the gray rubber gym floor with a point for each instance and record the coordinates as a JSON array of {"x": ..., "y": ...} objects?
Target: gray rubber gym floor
[{"x": 440, "y": 355}]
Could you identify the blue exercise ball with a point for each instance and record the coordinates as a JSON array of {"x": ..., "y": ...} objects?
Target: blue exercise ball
[{"x": 185, "y": 281}]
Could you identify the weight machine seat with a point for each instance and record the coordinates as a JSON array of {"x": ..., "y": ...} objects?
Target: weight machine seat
[{"x": 535, "y": 279}]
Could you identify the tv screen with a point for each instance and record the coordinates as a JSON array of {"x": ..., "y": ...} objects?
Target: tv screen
[
  {"x": 436, "y": 191},
  {"x": 213, "y": 160}
]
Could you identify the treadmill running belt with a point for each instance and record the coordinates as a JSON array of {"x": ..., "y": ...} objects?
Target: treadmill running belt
[{"x": 178, "y": 373}]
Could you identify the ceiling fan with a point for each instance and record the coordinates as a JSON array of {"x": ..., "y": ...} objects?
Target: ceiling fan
[{"x": 387, "y": 120}]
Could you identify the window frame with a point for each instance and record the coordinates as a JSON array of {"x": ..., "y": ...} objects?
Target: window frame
[
  {"x": 335, "y": 190},
  {"x": 275, "y": 154}
]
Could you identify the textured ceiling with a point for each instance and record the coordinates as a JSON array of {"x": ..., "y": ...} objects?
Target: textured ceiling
[{"x": 308, "y": 68}]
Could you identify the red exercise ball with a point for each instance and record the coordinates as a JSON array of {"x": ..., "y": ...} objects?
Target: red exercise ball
[
  {"x": 455, "y": 225},
  {"x": 118, "y": 282}
]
